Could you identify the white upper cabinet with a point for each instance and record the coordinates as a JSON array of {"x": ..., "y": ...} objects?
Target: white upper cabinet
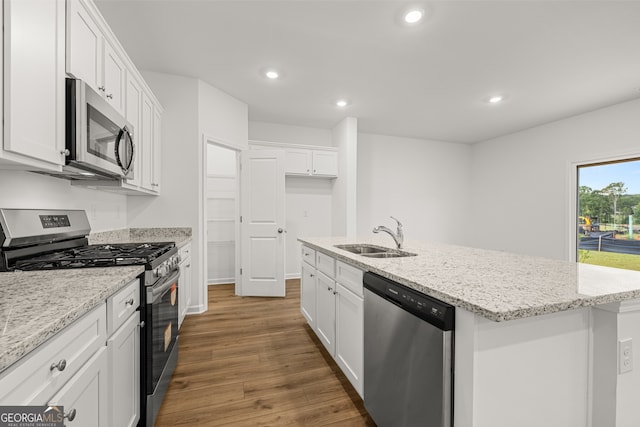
[
  {"x": 133, "y": 97},
  {"x": 298, "y": 162},
  {"x": 34, "y": 91},
  {"x": 95, "y": 56},
  {"x": 84, "y": 45},
  {"x": 324, "y": 163},
  {"x": 91, "y": 57},
  {"x": 115, "y": 78},
  {"x": 303, "y": 160}
]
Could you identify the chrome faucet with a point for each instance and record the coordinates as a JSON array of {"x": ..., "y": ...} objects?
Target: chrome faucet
[{"x": 398, "y": 236}]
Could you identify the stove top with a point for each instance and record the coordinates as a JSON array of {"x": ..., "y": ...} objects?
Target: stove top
[{"x": 105, "y": 255}]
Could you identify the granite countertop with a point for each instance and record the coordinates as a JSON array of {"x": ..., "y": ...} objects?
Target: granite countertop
[
  {"x": 180, "y": 235},
  {"x": 496, "y": 285},
  {"x": 36, "y": 305}
]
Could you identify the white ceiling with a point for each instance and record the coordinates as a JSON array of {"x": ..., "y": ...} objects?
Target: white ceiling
[{"x": 552, "y": 59}]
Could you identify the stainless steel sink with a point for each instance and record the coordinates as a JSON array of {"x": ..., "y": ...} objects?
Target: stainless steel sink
[
  {"x": 390, "y": 254},
  {"x": 362, "y": 249},
  {"x": 373, "y": 251}
]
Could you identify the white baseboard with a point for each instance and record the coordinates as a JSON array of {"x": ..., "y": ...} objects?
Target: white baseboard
[{"x": 221, "y": 281}]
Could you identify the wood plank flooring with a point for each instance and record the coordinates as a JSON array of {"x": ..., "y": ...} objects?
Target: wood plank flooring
[{"x": 252, "y": 361}]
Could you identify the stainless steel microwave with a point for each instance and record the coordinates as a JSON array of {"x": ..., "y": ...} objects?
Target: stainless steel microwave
[{"x": 99, "y": 142}]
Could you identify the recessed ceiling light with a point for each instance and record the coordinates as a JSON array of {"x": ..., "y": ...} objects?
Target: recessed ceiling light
[
  {"x": 271, "y": 74},
  {"x": 414, "y": 15},
  {"x": 342, "y": 103},
  {"x": 495, "y": 99}
]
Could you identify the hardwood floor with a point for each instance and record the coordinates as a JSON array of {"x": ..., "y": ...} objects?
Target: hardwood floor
[{"x": 255, "y": 361}]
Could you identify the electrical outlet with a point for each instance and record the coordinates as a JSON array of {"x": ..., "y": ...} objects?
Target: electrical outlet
[{"x": 625, "y": 356}]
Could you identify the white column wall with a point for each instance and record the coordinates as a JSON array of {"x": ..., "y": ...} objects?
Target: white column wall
[{"x": 344, "y": 218}]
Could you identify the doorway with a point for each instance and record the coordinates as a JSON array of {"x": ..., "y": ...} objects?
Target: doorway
[{"x": 221, "y": 213}]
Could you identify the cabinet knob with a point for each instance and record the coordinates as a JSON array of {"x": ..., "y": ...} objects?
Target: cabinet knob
[
  {"x": 329, "y": 288},
  {"x": 101, "y": 89},
  {"x": 59, "y": 366},
  {"x": 280, "y": 230},
  {"x": 71, "y": 415},
  {"x": 142, "y": 324},
  {"x": 310, "y": 275},
  {"x": 129, "y": 302},
  {"x": 110, "y": 96},
  {"x": 335, "y": 292},
  {"x": 65, "y": 152}
]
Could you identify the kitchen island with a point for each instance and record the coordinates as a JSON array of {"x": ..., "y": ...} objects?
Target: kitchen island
[{"x": 536, "y": 340}]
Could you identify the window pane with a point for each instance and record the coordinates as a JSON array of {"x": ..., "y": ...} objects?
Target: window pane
[{"x": 608, "y": 222}]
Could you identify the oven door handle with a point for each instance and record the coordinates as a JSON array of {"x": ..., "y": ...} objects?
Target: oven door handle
[{"x": 156, "y": 292}]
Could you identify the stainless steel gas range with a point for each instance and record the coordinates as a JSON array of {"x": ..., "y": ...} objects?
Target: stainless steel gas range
[{"x": 35, "y": 239}]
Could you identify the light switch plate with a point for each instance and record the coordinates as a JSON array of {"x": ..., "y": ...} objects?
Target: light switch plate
[{"x": 625, "y": 356}]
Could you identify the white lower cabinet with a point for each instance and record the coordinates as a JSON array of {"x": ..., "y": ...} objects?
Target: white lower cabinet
[
  {"x": 123, "y": 349},
  {"x": 308, "y": 294},
  {"x": 184, "y": 286},
  {"x": 334, "y": 308},
  {"x": 83, "y": 396},
  {"x": 349, "y": 335},
  {"x": 326, "y": 311},
  {"x": 91, "y": 367}
]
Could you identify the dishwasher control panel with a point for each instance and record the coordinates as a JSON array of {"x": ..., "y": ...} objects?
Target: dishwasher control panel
[{"x": 427, "y": 308}]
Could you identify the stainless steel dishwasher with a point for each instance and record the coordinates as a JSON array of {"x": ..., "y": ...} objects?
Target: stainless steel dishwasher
[{"x": 408, "y": 355}]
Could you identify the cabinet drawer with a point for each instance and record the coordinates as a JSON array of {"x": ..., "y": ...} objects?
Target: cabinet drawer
[
  {"x": 309, "y": 256},
  {"x": 122, "y": 305},
  {"x": 349, "y": 277},
  {"x": 326, "y": 264},
  {"x": 32, "y": 381},
  {"x": 185, "y": 252}
]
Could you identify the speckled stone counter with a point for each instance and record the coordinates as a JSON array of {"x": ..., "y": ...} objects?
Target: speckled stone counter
[
  {"x": 180, "y": 235},
  {"x": 37, "y": 305},
  {"x": 496, "y": 285}
]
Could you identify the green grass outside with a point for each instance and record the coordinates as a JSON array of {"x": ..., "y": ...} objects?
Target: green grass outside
[{"x": 610, "y": 259}]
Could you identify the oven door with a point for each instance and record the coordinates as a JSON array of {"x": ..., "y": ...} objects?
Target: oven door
[
  {"x": 162, "y": 326},
  {"x": 98, "y": 137}
]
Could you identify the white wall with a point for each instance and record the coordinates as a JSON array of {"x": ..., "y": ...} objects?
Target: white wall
[
  {"x": 177, "y": 204},
  {"x": 521, "y": 182},
  {"x": 301, "y": 135},
  {"x": 222, "y": 117},
  {"x": 425, "y": 184},
  {"x": 26, "y": 190}
]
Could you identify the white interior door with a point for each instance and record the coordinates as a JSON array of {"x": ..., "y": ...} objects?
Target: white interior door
[{"x": 262, "y": 224}]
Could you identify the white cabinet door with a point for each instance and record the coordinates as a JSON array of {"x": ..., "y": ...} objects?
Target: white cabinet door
[
  {"x": 146, "y": 151},
  {"x": 156, "y": 147},
  {"x": 115, "y": 78},
  {"x": 86, "y": 393},
  {"x": 84, "y": 46},
  {"x": 326, "y": 311},
  {"x": 308, "y": 294},
  {"x": 34, "y": 85},
  {"x": 133, "y": 114},
  {"x": 298, "y": 162},
  {"x": 124, "y": 374},
  {"x": 325, "y": 163},
  {"x": 263, "y": 222},
  {"x": 349, "y": 335}
]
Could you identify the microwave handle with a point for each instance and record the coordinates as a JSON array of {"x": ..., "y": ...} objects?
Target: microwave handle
[{"x": 121, "y": 134}]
